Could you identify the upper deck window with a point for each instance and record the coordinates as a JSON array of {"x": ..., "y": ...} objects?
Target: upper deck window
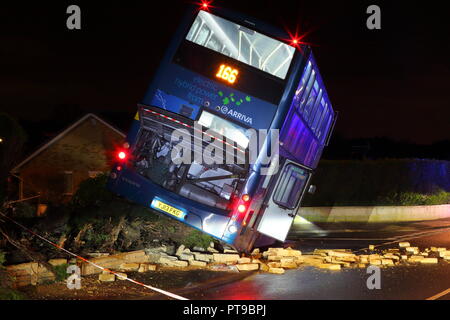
[{"x": 240, "y": 43}]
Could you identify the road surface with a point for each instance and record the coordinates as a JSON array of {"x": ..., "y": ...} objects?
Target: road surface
[{"x": 400, "y": 282}]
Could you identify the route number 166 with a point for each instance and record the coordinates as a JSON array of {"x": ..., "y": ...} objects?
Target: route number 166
[{"x": 227, "y": 73}]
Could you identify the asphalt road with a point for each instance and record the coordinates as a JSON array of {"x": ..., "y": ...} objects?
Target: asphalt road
[{"x": 397, "y": 283}]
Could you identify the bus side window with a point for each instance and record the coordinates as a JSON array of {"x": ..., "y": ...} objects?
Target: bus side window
[
  {"x": 307, "y": 91},
  {"x": 307, "y": 112},
  {"x": 290, "y": 186}
]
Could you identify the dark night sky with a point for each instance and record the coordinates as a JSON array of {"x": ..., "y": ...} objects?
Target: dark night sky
[{"x": 393, "y": 82}]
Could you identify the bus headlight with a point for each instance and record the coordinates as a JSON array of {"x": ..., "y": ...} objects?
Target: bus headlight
[{"x": 232, "y": 228}]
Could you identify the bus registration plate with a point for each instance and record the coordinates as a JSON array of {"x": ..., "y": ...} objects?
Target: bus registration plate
[{"x": 157, "y": 204}]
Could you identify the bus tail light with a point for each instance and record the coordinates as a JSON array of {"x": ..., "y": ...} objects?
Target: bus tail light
[
  {"x": 122, "y": 155},
  {"x": 242, "y": 208},
  {"x": 246, "y": 198}
]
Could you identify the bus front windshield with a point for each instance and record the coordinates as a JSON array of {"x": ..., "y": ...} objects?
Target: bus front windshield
[{"x": 240, "y": 43}]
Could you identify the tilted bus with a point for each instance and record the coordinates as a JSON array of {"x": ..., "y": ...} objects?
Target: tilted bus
[{"x": 225, "y": 75}]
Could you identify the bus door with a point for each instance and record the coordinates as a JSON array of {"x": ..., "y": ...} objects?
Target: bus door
[{"x": 283, "y": 200}]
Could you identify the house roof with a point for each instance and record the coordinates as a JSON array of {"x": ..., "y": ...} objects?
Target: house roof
[{"x": 64, "y": 133}]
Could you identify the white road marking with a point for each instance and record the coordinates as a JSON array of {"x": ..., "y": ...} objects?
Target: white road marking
[{"x": 439, "y": 295}]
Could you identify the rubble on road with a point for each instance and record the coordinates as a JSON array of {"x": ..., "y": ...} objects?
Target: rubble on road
[
  {"x": 106, "y": 277},
  {"x": 272, "y": 260}
]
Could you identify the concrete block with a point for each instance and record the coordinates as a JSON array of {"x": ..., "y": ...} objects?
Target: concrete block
[
  {"x": 282, "y": 252},
  {"x": 121, "y": 276},
  {"x": 108, "y": 277},
  {"x": 247, "y": 267},
  {"x": 288, "y": 264},
  {"x": 222, "y": 267},
  {"x": 186, "y": 256},
  {"x": 230, "y": 251},
  {"x": 57, "y": 262},
  {"x": 387, "y": 262},
  {"x": 391, "y": 256},
  {"x": 196, "y": 263},
  {"x": 363, "y": 259},
  {"x": 244, "y": 260},
  {"x": 206, "y": 257},
  {"x": 276, "y": 270},
  {"x": 180, "y": 250},
  {"x": 414, "y": 250},
  {"x": 274, "y": 258},
  {"x": 340, "y": 254},
  {"x": 144, "y": 267},
  {"x": 375, "y": 262},
  {"x": 263, "y": 267},
  {"x": 224, "y": 257},
  {"x": 444, "y": 253},
  {"x": 173, "y": 263},
  {"x": 415, "y": 258},
  {"x": 330, "y": 266},
  {"x": 274, "y": 264},
  {"x": 429, "y": 260},
  {"x": 310, "y": 259},
  {"x": 129, "y": 266}
]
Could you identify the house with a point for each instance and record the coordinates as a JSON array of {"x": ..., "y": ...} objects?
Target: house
[{"x": 54, "y": 171}]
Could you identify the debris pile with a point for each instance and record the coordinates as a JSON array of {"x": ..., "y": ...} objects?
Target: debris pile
[{"x": 274, "y": 260}]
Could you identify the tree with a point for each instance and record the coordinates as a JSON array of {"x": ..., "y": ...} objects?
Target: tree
[{"x": 13, "y": 138}]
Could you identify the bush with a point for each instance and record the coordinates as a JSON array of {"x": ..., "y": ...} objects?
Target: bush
[
  {"x": 10, "y": 294},
  {"x": 92, "y": 192},
  {"x": 7, "y": 293},
  {"x": 380, "y": 182},
  {"x": 61, "y": 272},
  {"x": 24, "y": 210},
  {"x": 95, "y": 239},
  {"x": 2, "y": 258},
  {"x": 197, "y": 238},
  {"x": 417, "y": 199}
]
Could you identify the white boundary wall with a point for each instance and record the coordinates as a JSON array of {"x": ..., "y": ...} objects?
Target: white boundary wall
[{"x": 374, "y": 214}]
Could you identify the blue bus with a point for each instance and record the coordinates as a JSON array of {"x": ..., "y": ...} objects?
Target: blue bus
[{"x": 224, "y": 75}]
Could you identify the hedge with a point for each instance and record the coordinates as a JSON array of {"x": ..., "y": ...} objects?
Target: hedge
[{"x": 380, "y": 182}]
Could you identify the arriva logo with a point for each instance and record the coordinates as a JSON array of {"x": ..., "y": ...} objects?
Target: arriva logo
[{"x": 235, "y": 114}]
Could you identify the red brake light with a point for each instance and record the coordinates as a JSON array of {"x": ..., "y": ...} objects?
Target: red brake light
[
  {"x": 241, "y": 208},
  {"x": 122, "y": 155},
  {"x": 205, "y": 5}
]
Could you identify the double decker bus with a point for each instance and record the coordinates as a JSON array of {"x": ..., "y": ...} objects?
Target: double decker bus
[{"x": 224, "y": 77}]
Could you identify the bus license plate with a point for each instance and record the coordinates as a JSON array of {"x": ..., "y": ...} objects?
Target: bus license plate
[{"x": 168, "y": 209}]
